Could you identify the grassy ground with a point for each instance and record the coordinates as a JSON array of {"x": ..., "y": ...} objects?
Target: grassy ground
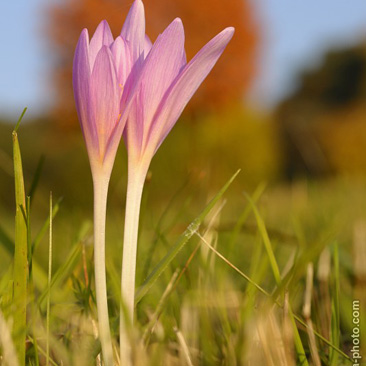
[{"x": 269, "y": 277}]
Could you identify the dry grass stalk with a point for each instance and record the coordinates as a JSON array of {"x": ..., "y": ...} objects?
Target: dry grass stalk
[
  {"x": 268, "y": 341},
  {"x": 9, "y": 356},
  {"x": 307, "y": 314},
  {"x": 184, "y": 348},
  {"x": 322, "y": 298}
]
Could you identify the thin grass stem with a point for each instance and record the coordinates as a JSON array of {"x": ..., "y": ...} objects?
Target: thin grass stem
[{"x": 49, "y": 287}]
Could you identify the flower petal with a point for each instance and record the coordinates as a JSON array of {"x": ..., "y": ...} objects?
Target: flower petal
[
  {"x": 81, "y": 85},
  {"x": 133, "y": 133},
  {"x": 147, "y": 46},
  {"x": 160, "y": 68},
  {"x": 133, "y": 29},
  {"x": 102, "y": 36},
  {"x": 185, "y": 85},
  {"x": 104, "y": 97},
  {"x": 122, "y": 60}
]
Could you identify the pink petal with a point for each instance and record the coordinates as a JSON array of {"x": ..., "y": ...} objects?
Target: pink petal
[
  {"x": 185, "y": 85},
  {"x": 81, "y": 85},
  {"x": 122, "y": 60},
  {"x": 160, "y": 68},
  {"x": 133, "y": 29},
  {"x": 133, "y": 133},
  {"x": 102, "y": 37},
  {"x": 183, "y": 61},
  {"x": 104, "y": 96},
  {"x": 147, "y": 46}
]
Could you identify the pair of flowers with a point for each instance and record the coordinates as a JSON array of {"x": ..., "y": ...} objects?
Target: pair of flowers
[{"x": 131, "y": 87}]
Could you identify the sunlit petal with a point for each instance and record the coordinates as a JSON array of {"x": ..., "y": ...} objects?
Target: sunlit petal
[{"x": 102, "y": 37}]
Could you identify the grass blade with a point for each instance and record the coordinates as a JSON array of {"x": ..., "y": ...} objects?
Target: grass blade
[
  {"x": 20, "y": 253},
  {"x": 41, "y": 350},
  {"x": 20, "y": 120},
  {"x": 29, "y": 236},
  {"x": 276, "y": 272},
  {"x": 49, "y": 287},
  {"x": 63, "y": 271},
  {"x": 335, "y": 348},
  {"x": 335, "y": 320},
  {"x": 182, "y": 241},
  {"x": 266, "y": 241},
  {"x": 299, "y": 268},
  {"x": 8, "y": 243},
  {"x": 244, "y": 215},
  {"x": 68, "y": 266},
  {"x": 159, "y": 231},
  {"x": 42, "y": 232},
  {"x": 247, "y": 278}
]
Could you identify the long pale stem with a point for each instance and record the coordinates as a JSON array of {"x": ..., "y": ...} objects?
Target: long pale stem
[
  {"x": 100, "y": 206},
  {"x": 136, "y": 178}
]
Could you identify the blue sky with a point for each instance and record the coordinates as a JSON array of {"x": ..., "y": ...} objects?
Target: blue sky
[
  {"x": 23, "y": 61},
  {"x": 295, "y": 34}
]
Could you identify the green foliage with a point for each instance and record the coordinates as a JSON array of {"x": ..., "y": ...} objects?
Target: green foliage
[
  {"x": 239, "y": 268},
  {"x": 20, "y": 274},
  {"x": 191, "y": 230}
]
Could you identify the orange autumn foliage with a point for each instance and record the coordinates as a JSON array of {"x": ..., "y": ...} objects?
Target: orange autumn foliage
[{"x": 202, "y": 19}]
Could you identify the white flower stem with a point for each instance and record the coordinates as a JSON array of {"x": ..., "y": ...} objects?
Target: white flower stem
[
  {"x": 101, "y": 184},
  {"x": 135, "y": 185}
]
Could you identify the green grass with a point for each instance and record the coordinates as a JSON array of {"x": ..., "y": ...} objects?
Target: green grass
[
  {"x": 221, "y": 274},
  {"x": 20, "y": 273}
]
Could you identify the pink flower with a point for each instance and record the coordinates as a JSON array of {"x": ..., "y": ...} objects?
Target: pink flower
[
  {"x": 166, "y": 84},
  {"x": 128, "y": 82},
  {"x": 104, "y": 72}
]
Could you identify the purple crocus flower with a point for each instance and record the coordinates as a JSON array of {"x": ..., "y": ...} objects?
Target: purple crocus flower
[
  {"x": 166, "y": 84},
  {"x": 105, "y": 74},
  {"x": 163, "y": 87},
  {"x": 104, "y": 71}
]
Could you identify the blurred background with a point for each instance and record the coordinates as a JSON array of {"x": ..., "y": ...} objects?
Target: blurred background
[{"x": 285, "y": 102}]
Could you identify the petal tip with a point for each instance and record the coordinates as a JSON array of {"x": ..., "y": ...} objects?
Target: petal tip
[
  {"x": 138, "y": 4},
  {"x": 178, "y": 22},
  {"x": 83, "y": 42},
  {"x": 85, "y": 34},
  {"x": 134, "y": 25},
  {"x": 177, "y": 25},
  {"x": 229, "y": 31},
  {"x": 226, "y": 34},
  {"x": 103, "y": 27}
]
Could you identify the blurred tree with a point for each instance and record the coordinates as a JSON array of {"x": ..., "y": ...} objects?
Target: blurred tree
[
  {"x": 203, "y": 19},
  {"x": 336, "y": 88}
]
